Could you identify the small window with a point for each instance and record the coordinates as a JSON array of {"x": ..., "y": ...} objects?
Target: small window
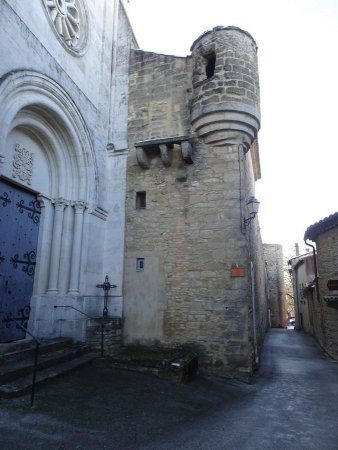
[
  {"x": 141, "y": 200},
  {"x": 139, "y": 264},
  {"x": 210, "y": 67}
]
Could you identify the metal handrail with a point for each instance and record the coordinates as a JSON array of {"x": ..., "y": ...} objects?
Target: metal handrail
[
  {"x": 78, "y": 310},
  {"x": 36, "y": 355},
  {"x": 89, "y": 317}
]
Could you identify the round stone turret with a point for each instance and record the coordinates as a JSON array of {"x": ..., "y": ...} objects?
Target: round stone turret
[{"x": 225, "y": 103}]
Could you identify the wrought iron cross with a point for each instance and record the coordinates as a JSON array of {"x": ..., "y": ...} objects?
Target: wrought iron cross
[{"x": 106, "y": 286}]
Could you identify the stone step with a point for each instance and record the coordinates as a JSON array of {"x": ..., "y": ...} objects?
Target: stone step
[
  {"x": 176, "y": 364},
  {"x": 22, "y": 385},
  {"x": 25, "y": 348},
  {"x": 24, "y": 365},
  {"x": 55, "y": 357}
]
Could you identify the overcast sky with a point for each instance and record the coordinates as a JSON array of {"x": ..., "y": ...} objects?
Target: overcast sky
[{"x": 298, "y": 65}]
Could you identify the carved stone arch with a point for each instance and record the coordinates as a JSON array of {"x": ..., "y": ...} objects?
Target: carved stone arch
[
  {"x": 35, "y": 127},
  {"x": 46, "y": 147},
  {"x": 34, "y": 102}
]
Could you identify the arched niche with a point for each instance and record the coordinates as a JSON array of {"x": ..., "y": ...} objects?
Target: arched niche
[{"x": 37, "y": 111}]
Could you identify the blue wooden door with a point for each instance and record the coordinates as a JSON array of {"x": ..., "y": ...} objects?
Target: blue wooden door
[{"x": 19, "y": 226}]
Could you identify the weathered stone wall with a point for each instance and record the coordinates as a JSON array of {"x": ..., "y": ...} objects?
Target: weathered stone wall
[
  {"x": 275, "y": 284},
  {"x": 195, "y": 288},
  {"x": 236, "y": 67},
  {"x": 225, "y": 106},
  {"x": 160, "y": 91},
  {"x": 327, "y": 251},
  {"x": 104, "y": 335},
  {"x": 190, "y": 236},
  {"x": 305, "y": 279},
  {"x": 260, "y": 303},
  {"x": 309, "y": 308},
  {"x": 316, "y": 315}
]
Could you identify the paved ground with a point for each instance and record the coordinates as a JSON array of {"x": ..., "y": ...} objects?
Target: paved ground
[{"x": 292, "y": 404}]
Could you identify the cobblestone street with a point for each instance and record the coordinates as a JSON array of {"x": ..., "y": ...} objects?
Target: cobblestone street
[{"x": 292, "y": 404}]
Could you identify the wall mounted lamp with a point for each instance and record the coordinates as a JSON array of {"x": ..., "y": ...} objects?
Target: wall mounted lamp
[{"x": 253, "y": 206}]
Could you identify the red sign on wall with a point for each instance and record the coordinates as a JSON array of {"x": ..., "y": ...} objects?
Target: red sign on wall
[{"x": 237, "y": 272}]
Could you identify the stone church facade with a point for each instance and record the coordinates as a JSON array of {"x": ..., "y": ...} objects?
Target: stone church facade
[
  {"x": 63, "y": 91},
  {"x": 135, "y": 165}
]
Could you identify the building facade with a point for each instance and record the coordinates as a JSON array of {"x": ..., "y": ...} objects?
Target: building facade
[
  {"x": 63, "y": 94},
  {"x": 194, "y": 269},
  {"x": 302, "y": 269},
  {"x": 273, "y": 254},
  {"x": 325, "y": 317},
  {"x": 134, "y": 165}
]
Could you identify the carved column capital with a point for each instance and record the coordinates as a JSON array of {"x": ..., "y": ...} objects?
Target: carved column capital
[
  {"x": 60, "y": 203},
  {"x": 79, "y": 206}
]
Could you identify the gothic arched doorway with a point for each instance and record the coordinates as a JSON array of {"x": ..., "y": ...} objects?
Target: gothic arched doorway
[
  {"x": 20, "y": 213},
  {"x": 46, "y": 161}
]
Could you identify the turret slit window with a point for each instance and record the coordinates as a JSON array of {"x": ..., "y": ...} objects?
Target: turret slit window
[
  {"x": 211, "y": 62},
  {"x": 141, "y": 200}
]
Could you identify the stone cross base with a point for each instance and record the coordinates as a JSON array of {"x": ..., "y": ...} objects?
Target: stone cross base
[{"x": 112, "y": 334}]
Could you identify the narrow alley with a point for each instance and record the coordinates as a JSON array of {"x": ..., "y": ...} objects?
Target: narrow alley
[
  {"x": 294, "y": 404},
  {"x": 291, "y": 404}
]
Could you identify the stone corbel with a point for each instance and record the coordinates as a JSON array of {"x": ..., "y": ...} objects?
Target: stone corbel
[
  {"x": 165, "y": 147},
  {"x": 166, "y": 154},
  {"x": 187, "y": 152},
  {"x": 142, "y": 158},
  {"x": 42, "y": 200}
]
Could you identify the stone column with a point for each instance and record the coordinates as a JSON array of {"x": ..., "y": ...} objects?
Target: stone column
[
  {"x": 79, "y": 208},
  {"x": 59, "y": 208}
]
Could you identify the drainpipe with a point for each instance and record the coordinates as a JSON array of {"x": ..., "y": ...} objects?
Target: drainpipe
[
  {"x": 253, "y": 300},
  {"x": 296, "y": 292},
  {"x": 315, "y": 264}
]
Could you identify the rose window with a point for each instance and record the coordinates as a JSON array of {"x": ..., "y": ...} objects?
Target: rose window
[{"x": 69, "y": 20}]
